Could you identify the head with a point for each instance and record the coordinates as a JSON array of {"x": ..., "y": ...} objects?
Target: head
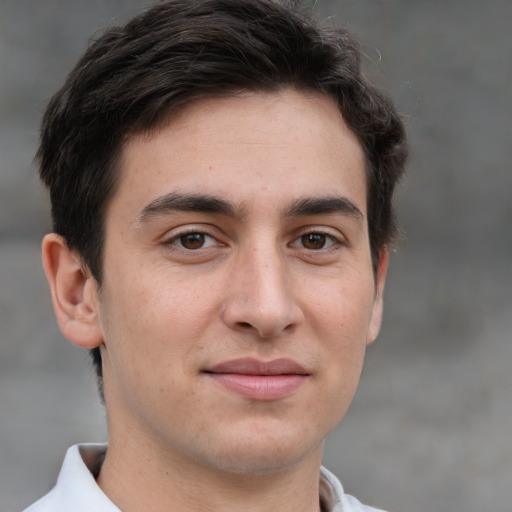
[{"x": 135, "y": 79}]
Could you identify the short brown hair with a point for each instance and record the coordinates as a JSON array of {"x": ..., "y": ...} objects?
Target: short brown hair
[{"x": 177, "y": 52}]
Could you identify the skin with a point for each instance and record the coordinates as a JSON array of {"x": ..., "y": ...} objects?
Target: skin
[{"x": 275, "y": 271}]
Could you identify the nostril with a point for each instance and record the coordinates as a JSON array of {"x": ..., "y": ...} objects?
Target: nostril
[{"x": 245, "y": 325}]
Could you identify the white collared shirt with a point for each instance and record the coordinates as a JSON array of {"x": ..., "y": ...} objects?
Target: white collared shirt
[{"x": 77, "y": 491}]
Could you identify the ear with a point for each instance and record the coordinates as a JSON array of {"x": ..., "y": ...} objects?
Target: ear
[
  {"x": 74, "y": 293},
  {"x": 376, "y": 315}
]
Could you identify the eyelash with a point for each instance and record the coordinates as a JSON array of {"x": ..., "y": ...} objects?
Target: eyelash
[
  {"x": 175, "y": 241},
  {"x": 172, "y": 241},
  {"x": 335, "y": 242}
]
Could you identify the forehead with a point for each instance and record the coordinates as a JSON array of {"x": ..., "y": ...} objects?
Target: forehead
[{"x": 272, "y": 147}]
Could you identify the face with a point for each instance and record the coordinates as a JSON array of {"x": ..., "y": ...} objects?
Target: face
[{"x": 238, "y": 293}]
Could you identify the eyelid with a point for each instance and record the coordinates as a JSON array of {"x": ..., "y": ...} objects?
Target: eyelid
[
  {"x": 175, "y": 234},
  {"x": 332, "y": 243},
  {"x": 209, "y": 241},
  {"x": 331, "y": 233}
]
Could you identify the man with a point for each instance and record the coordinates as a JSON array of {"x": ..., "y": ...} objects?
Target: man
[{"x": 221, "y": 177}]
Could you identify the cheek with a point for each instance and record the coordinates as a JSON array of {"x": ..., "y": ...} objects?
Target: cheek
[
  {"x": 341, "y": 323},
  {"x": 345, "y": 310},
  {"x": 149, "y": 319}
]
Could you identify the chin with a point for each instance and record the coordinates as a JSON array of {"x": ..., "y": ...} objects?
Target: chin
[
  {"x": 263, "y": 455},
  {"x": 261, "y": 465}
]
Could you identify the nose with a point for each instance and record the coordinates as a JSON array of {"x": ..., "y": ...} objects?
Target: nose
[{"x": 260, "y": 296}]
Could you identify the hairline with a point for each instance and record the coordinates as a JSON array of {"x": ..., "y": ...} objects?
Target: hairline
[{"x": 116, "y": 158}]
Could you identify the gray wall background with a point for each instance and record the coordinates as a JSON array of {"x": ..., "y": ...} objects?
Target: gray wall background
[{"x": 430, "y": 428}]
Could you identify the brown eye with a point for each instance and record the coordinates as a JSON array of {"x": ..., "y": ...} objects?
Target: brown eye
[
  {"x": 314, "y": 241},
  {"x": 192, "y": 241}
]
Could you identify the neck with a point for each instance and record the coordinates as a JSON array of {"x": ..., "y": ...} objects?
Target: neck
[{"x": 137, "y": 477}]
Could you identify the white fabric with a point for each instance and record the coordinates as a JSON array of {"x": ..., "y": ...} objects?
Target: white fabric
[
  {"x": 334, "y": 497},
  {"x": 77, "y": 491}
]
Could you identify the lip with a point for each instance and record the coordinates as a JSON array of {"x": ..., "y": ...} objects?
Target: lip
[{"x": 259, "y": 380}]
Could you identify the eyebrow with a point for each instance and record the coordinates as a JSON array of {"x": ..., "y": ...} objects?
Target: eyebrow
[
  {"x": 202, "y": 203},
  {"x": 324, "y": 205},
  {"x": 187, "y": 203}
]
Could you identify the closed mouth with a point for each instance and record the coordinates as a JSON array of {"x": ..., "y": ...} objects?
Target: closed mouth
[
  {"x": 259, "y": 380},
  {"x": 249, "y": 366}
]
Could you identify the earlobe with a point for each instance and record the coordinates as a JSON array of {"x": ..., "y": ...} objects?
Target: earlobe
[
  {"x": 74, "y": 293},
  {"x": 376, "y": 316}
]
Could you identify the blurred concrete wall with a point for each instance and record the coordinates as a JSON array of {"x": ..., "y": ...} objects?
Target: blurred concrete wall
[{"x": 430, "y": 426}]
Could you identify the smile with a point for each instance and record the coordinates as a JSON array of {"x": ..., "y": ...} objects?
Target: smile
[{"x": 258, "y": 380}]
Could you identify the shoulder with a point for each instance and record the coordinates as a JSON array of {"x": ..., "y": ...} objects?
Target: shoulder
[
  {"x": 354, "y": 505},
  {"x": 76, "y": 489},
  {"x": 45, "y": 504},
  {"x": 334, "y": 497}
]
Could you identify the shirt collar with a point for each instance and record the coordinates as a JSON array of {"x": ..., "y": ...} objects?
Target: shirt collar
[
  {"x": 77, "y": 489},
  {"x": 331, "y": 491}
]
